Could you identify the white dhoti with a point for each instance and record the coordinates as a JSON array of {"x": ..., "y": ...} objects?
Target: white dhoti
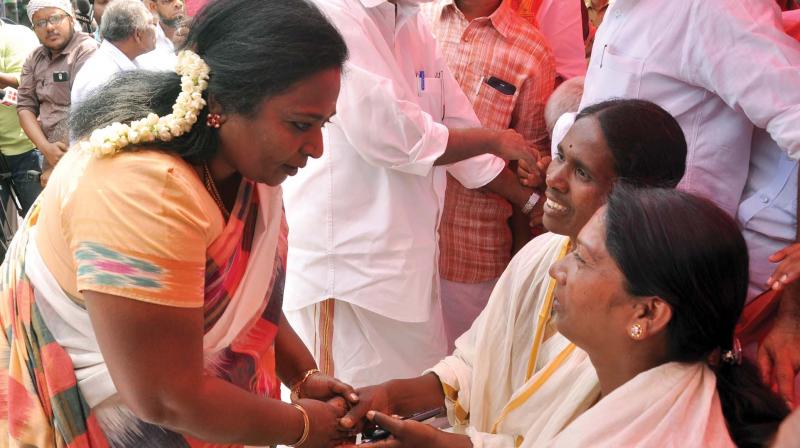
[{"x": 363, "y": 348}]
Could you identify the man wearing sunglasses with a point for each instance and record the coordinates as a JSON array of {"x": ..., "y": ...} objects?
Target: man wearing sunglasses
[{"x": 44, "y": 91}]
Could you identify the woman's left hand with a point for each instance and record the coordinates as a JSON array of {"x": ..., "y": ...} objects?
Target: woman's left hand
[
  {"x": 322, "y": 387},
  {"x": 412, "y": 434}
]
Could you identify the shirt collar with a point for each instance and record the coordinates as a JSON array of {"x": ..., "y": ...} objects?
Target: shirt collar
[
  {"x": 116, "y": 55},
  {"x": 501, "y": 19},
  {"x": 162, "y": 40},
  {"x": 405, "y": 10}
]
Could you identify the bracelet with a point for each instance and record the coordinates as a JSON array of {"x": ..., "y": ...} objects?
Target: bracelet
[
  {"x": 531, "y": 203},
  {"x": 306, "y": 426},
  {"x": 295, "y": 389}
]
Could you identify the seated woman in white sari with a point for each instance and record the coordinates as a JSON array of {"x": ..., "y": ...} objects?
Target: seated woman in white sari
[
  {"x": 630, "y": 139},
  {"x": 646, "y": 305}
]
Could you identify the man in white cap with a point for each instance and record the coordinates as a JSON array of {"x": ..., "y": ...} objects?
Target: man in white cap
[{"x": 47, "y": 76}]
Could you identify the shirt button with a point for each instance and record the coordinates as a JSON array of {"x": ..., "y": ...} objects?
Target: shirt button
[
  {"x": 764, "y": 198},
  {"x": 466, "y": 39},
  {"x": 618, "y": 14}
]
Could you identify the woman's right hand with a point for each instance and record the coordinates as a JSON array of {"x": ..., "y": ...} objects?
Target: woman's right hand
[
  {"x": 371, "y": 398},
  {"x": 323, "y": 420}
]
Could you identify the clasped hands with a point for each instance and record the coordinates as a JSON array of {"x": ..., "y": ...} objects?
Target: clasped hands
[
  {"x": 373, "y": 407},
  {"x": 337, "y": 413}
]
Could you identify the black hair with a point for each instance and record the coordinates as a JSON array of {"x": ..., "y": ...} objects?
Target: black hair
[
  {"x": 646, "y": 142},
  {"x": 255, "y": 49},
  {"x": 691, "y": 254}
]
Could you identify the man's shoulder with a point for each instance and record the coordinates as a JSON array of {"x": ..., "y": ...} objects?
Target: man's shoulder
[
  {"x": 524, "y": 35},
  {"x": 34, "y": 57},
  {"x": 85, "y": 41},
  {"x": 340, "y": 6}
]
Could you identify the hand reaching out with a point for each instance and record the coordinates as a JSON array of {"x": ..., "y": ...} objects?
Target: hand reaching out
[{"x": 789, "y": 268}]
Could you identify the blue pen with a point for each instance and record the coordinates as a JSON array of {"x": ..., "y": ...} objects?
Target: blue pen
[{"x": 422, "y": 80}]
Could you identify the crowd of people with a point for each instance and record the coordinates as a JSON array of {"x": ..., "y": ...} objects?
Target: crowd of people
[{"x": 308, "y": 222}]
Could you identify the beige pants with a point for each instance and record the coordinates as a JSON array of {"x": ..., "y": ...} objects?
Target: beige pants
[{"x": 363, "y": 348}]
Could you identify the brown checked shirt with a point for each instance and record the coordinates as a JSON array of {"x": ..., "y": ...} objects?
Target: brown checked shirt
[
  {"x": 46, "y": 82},
  {"x": 475, "y": 239}
]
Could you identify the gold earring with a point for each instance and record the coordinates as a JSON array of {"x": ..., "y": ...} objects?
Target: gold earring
[{"x": 636, "y": 331}]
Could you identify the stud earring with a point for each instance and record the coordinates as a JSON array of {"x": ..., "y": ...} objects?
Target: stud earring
[
  {"x": 213, "y": 121},
  {"x": 636, "y": 331}
]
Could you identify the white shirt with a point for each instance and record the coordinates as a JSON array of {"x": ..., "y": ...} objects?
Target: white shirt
[
  {"x": 106, "y": 62},
  {"x": 768, "y": 211},
  {"x": 163, "y": 57},
  {"x": 363, "y": 218},
  {"x": 719, "y": 66},
  {"x": 561, "y": 23}
]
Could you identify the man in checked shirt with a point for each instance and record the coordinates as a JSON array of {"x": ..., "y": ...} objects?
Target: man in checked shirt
[{"x": 507, "y": 71}]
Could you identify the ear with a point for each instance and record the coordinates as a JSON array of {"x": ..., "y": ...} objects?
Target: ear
[
  {"x": 151, "y": 5},
  {"x": 215, "y": 108},
  {"x": 652, "y": 314}
]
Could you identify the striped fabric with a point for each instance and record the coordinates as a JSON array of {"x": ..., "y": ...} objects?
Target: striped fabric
[
  {"x": 475, "y": 241},
  {"x": 40, "y": 403}
]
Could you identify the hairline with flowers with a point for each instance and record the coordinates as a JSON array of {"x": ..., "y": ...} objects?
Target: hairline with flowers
[{"x": 113, "y": 138}]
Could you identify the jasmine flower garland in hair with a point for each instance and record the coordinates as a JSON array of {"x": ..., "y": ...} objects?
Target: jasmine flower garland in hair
[{"x": 194, "y": 79}]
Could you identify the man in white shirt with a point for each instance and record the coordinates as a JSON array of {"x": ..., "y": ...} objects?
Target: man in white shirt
[
  {"x": 128, "y": 30},
  {"x": 170, "y": 14},
  {"x": 768, "y": 214},
  {"x": 722, "y": 68},
  {"x": 362, "y": 280}
]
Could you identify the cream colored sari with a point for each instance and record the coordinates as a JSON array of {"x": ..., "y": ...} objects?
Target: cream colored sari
[{"x": 508, "y": 385}]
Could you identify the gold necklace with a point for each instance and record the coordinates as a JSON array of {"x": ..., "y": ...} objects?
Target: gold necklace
[{"x": 212, "y": 189}]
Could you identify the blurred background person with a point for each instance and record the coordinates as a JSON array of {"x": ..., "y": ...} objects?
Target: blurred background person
[
  {"x": 170, "y": 14},
  {"x": 128, "y": 31},
  {"x": 48, "y": 75},
  {"x": 19, "y": 163}
]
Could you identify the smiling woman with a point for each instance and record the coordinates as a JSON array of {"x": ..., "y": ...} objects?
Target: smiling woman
[
  {"x": 487, "y": 382},
  {"x": 633, "y": 140},
  {"x": 156, "y": 252}
]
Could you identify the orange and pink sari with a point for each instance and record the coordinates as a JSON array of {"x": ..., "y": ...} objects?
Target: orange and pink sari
[{"x": 42, "y": 400}]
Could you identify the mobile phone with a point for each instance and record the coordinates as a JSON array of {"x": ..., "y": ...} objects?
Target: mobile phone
[
  {"x": 375, "y": 432},
  {"x": 504, "y": 87}
]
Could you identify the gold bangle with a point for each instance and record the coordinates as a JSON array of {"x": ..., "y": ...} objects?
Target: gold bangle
[
  {"x": 295, "y": 389},
  {"x": 306, "y": 426}
]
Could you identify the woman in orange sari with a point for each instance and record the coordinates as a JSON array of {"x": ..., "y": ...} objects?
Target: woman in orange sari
[{"x": 142, "y": 298}]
